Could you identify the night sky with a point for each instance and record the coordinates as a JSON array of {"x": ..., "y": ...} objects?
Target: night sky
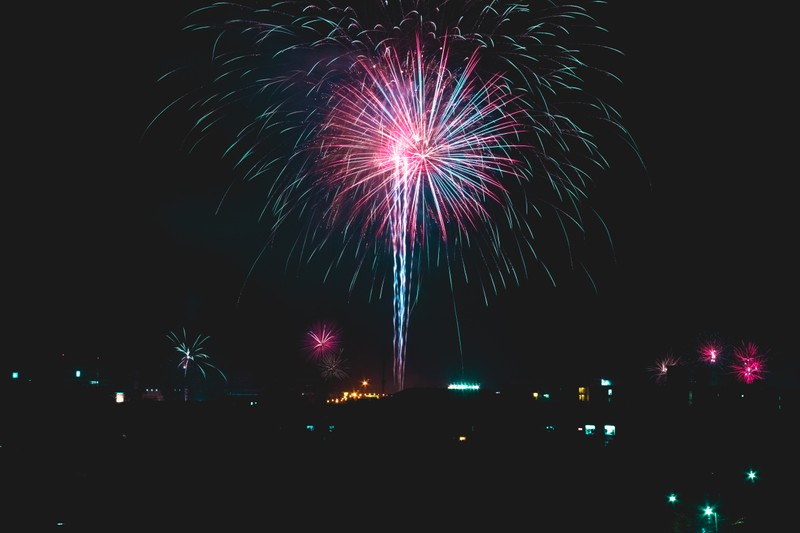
[{"x": 113, "y": 238}]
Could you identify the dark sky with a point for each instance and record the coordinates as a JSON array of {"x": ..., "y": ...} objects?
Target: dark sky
[{"x": 113, "y": 239}]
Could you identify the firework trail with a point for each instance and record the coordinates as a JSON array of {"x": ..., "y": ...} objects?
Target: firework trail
[{"x": 444, "y": 132}]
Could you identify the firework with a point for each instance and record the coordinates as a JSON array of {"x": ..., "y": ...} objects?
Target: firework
[
  {"x": 321, "y": 339},
  {"x": 410, "y": 134},
  {"x": 192, "y": 355},
  {"x": 332, "y": 365},
  {"x": 710, "y": 351},
  {"x": 749, "y": 363},
  {"x": 662, "y": 365}
]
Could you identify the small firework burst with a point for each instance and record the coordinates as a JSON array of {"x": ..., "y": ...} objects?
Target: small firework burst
[
  {"x": 192, "y": 355},
  {"x": 710, "y": 351},
  {"x": 322, "y": 339},
  {"x": 332, "y": 365},
  {"x": 749, "y": 363},
  {"x": 662, "y": 365}
]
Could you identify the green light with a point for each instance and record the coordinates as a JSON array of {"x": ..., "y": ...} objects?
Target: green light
[
  {"x": 751, "y": 475},
  {"x": 672, "y": 498},
  {"x": 463, "y": 386}
]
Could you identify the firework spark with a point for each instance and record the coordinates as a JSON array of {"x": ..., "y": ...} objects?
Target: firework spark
[
  {"x": 749, "y": 363},
  {"x": 425, "y": 129}
]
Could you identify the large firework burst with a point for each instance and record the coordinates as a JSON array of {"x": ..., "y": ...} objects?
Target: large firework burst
[{"x": 411, "y": 134}]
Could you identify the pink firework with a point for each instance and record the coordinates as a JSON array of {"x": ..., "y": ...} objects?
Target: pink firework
[
  {"x": 322, "y": 339},
  {"x": 414, "y": 148},
  {"x": 749, "y": 363},
  {"x": 409, "y": 135},
  {"x": 711, "y": 351}
]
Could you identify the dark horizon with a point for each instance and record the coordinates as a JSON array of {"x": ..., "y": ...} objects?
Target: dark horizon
[{"x": 447, "y": 457}]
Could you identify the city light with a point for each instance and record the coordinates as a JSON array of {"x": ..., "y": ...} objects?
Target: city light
[
  {"x": 710, "y": 512},
  {"x": 464, "y": 386}
]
